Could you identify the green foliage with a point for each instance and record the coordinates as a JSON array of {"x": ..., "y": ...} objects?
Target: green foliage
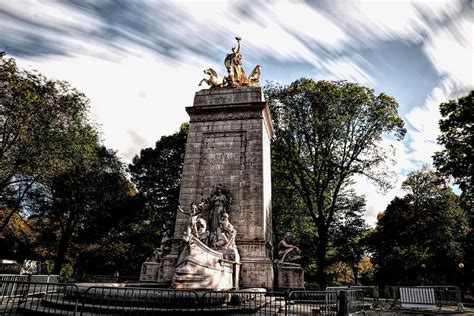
[
  {"x": 327, "y": 132},
  {"x": 44, "y": 131},
  {"x": 457, "y": 137},
  {"x": 424, "y": 229},
  {"x": 83, "y": 204},
  {"x": 457, "y": 160},
  {"x": 156, "y": 172},
  {"x": 49, "y": 266},
  {"x": 66, "y": 272},
  {"x": 349, "y": 235}
]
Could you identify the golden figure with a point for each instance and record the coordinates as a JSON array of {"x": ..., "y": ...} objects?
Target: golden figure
[
  {"x": 233, "y": 63},
  {"x": 236, "y": 76}
]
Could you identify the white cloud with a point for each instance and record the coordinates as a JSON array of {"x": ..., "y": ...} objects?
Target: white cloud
[
  {"x": 141, "y": 93},
  {"x": 422, "y": 133},
  {"x": 424, "y": 121},
  {"x": 452, "y": 54},
  {"x": 345, "y": 68}
]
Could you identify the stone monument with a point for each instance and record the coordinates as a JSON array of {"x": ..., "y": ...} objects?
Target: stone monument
[{"x": 227, "y": 171}]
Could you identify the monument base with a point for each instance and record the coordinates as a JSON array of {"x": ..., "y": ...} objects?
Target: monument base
[
  {"x": 289, "y": 277},
  {"x": 256, "y": 274},
  {"x": 160, "y": 272},
  {"x": 150, "y": 271},
  {"x": 202, "y": 268}
]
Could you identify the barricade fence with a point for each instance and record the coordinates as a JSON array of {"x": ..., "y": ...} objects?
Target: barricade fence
[
  {"x": 394, "y": 297},
  {"x": 28, "y": 297}
]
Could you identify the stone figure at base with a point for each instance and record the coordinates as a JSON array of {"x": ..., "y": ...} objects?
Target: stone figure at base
[
  {"x": 163, "y": 250},
  {"x": 286, "y": 250},
  {"x": 219, "y": 204},
  {"x": 202, "y": 232},
  {"x": 225, "y": 236},
  {"x": 193, "y": 214}
]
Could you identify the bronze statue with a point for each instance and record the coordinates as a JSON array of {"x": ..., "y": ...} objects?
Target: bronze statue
[
  {"x": 254, "y": 79},
  {"x": 233, "y": 63},
  {"x": 285, "y": 248},
  {"x": 213, "y": 82},
  {"x": 236, "y": 76}
]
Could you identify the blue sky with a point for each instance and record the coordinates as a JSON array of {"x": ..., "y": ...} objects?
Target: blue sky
[{"x": 139, "y": 62}]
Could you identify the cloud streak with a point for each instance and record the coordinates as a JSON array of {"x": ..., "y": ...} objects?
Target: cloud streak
[{"x": 140, "y": 61}]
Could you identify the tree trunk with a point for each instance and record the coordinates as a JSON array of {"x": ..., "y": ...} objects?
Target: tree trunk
[
  {"x": 62, "y": 250},
  {"x": 321, "y": 257},
  {"x": 355, "y": 272}
]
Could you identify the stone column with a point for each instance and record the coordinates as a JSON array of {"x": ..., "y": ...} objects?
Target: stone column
[{"x": 229, "y": 143}]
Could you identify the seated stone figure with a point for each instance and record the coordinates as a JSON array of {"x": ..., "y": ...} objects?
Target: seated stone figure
[
  {"x": 285, "y": 248},
  {"x": 163, "y": 250},
  {"x": 202, "y": 232},
  {"x": 226, "y": 233}
]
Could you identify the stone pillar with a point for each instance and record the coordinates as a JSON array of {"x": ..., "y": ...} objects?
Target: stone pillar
[{"x": 229, "y": 143}]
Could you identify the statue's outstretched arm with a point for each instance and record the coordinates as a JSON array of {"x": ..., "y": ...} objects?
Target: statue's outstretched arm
[
  {"x": 183, "y": 211},
  {"x": 238, "y": 44}
]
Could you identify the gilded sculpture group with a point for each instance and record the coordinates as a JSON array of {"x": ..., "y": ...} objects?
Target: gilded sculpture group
[
  {"x": 236, "y": 76},
  {"x": 221, "y": 233}
]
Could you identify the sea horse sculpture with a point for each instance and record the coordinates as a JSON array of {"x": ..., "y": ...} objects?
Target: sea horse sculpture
[
  {"x": 212, "y": 81},
  {"x": 254, "y": 79}
]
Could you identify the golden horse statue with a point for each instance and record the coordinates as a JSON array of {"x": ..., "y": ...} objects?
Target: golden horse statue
[
  {"x": 254, "y": 78},
  {"x": 212, "y": 81}
]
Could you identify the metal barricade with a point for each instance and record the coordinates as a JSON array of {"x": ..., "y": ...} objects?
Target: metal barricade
[
  {"x": 132, "y": 300},
  {"x": 39, "y": 297},
  {"x": 242, "y": 302},
  {"x": 439, "y": 297},
  {"x": 312, "y": 303},
  {"x": 355, "y": 302}
]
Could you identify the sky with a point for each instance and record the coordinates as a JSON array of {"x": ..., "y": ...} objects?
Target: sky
[{"x": 139, "y": 62}]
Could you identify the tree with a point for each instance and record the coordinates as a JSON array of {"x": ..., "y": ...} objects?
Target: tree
[
  {"x": 456, "y": 160},
  {"x": 156, "y": 172},
  {"x": 43, "y": 130},
  {"x": 84, "y": 199},
  {"x": 327, "y": 132},
  {"x": 457, "y": 137},
  {"x": 418, "y": 239},
  {"x": 350, "y": 234}
]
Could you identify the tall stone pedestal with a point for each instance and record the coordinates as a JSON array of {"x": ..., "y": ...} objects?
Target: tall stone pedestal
[{"x": 229, "y": 143}]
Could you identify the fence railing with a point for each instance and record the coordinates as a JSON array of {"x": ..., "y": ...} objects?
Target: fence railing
[
  {"x": 69, "y": 299},
  {"x": 35, "y": 297},
  {"x": 409, "y": 296},
  {"x": 104, "y": 278},
  {"x": 27, "y": 297}
]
